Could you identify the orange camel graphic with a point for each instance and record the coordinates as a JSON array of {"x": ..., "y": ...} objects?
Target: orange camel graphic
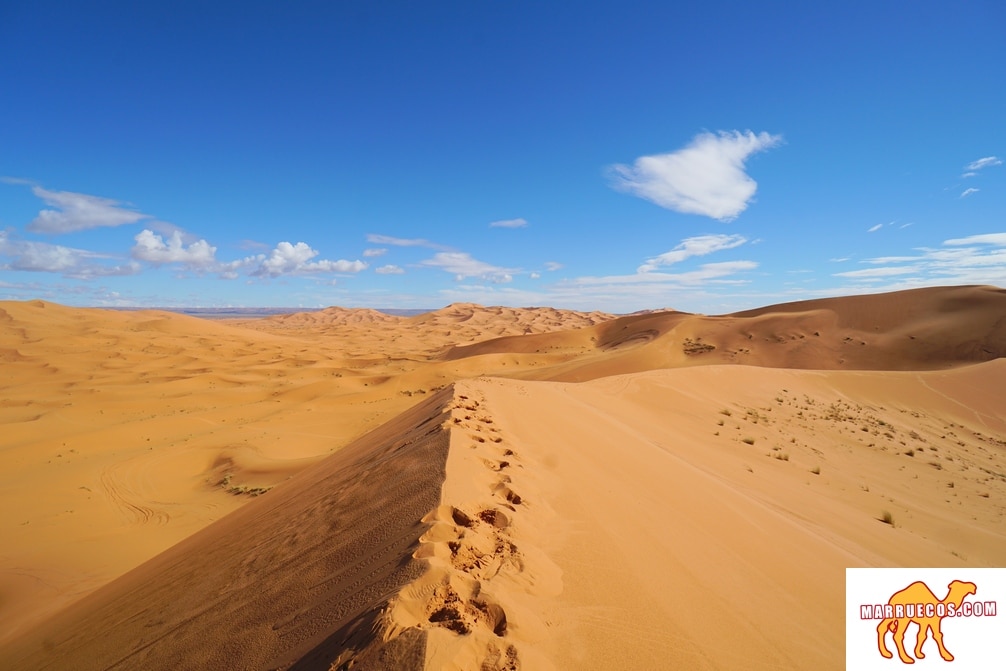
[{"x": 919, "y": 600}]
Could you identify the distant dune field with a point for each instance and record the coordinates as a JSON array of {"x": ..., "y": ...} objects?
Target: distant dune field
[{"x": 487, "y": 488}]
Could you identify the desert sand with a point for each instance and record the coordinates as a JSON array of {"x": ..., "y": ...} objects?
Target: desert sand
[{"x": 487, "y": 488}]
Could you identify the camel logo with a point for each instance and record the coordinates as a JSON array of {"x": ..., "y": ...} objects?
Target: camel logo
[
  {"x": 917, "y": 603},
  {"x": 909, "y": 621}
]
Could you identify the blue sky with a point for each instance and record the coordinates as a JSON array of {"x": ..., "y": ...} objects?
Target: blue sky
[{"x": 706, "y": 156}]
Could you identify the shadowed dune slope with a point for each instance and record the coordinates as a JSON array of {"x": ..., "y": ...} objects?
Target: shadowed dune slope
[{"x": 289, "y": 581}]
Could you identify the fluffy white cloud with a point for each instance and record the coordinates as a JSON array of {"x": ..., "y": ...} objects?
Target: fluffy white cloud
[
  {"x": 968, "y": 192},
  {"x": 369, "y": 253},
  {"x": 986, "y": 162},
  {"x": 296, "y": 259},
  {"x": 43, "y": 257},
  {"x": 79, "y": 212},
  {"x": 707, "y": 177},
  {"x": 699, "y": 245},
  {"x": 152, "y": 248},
  {"x": 462, "y": 265},
  {"x": 389, "y": 270},
  {"x": 508, "y": 223}
]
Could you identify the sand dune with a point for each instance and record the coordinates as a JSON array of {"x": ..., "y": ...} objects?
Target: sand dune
[
  {"x": 624, "y": 523},
  {"x": 426, "y": 335},
  {"x": 560, "y": 518},
  {"x": 921, "y": 329}
]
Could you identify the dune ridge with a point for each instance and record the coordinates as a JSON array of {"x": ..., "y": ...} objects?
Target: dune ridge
[
  {"x": 287, "y": 579},
  {"x": 506, "y": 524},
  {"x": 136, "y": 430}
]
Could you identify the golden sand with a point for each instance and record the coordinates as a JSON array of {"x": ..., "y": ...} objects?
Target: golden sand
[{"x": 487, "y": 488}]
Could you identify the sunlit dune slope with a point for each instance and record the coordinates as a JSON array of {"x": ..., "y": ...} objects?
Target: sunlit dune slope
[{"x": 622, "y": 523}]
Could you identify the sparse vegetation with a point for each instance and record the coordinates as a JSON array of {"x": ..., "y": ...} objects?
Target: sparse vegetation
[
  {"x": 816, "y": 470},
  {"x": 247, "y": 490},
  {"x": 241, "y": 490},
  {"x": 748, "y": 439},
  {"x": 694, "y": 347},
  {"x": 887, "y": 518}
]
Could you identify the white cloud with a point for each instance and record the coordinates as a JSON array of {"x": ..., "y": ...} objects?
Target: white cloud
[
  {"x": 47, "y": 258},
  {"x": 389, "y": 270},
  {"x": 369, "y": 253},
  {"x": 968, "y": 192},
  {"x": 79, "y": 212},
  {"x": 878, "y": 272},
  {"x": 976, "y": 259},
  {"x": 552, "y": 266},
  {"x": 890, "y": 259},
  {"x": 998, "y": 239},
  {"x": 874, "y": 229},
  {"x": 152, "y": 248},
  {"x": 705, "y": 273},
  {"x": 707, "y": 177},
  {"x": 508, "y": 223},
  {"x": 295, "y": 259},
  {"x": 535, "y": 276},
  {"x": 969, "y": 174},
  {"x": 700, "y": 245},
  {"x": 462, "y": 266},
  {"x": 986, "y": 162},
  {"x": 401, "y": 242}
]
